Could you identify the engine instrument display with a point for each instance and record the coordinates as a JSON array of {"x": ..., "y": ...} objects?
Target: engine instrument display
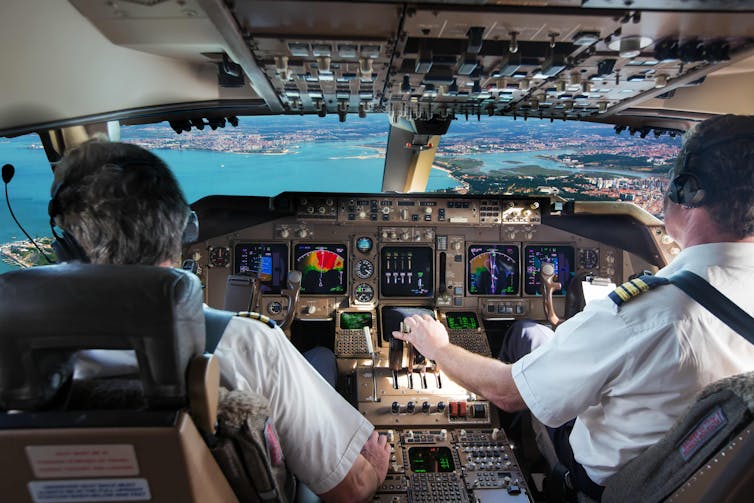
[
  {"x": 461, "y": 320},
  {"x": 493, "y": 270},
  {"x": 323, "y": 267},
  {"x": 351, "y": 320},
  {"x": 562, "y": 257},
  {"x": 431, "y": 459},
  {"x": 269, "y": 261},
  {"x": 406, "y": 271}
]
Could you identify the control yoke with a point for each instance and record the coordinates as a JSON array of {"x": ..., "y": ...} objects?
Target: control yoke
[
  {"x": 549, "y": 285},
  {"x": 291, "y": 293}
]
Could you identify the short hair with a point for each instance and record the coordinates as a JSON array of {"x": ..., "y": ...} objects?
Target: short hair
[
  {"x": 719, "y": 152},
  {"x": 121, "y": 203}
]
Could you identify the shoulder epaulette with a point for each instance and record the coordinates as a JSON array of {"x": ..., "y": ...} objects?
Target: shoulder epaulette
[
  {"x": 259, "y": 317},
  {"x": 635, "y": 287}
]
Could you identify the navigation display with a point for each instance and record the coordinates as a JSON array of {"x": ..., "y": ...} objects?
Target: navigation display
[
  {"x": 493, "y": 270},
  {"x": 406, "y": 271},
  {"x": 323, "y": 268},
  {"x": 355, "y": 320},
  {"x": 268, "y": 261},
  {"x": 558, "y": 255},
  {"x": 461, "y": 320}
]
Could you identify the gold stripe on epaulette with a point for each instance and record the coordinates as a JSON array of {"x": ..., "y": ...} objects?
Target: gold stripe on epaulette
[
  {"x": 632, "y": 290},
  {"x": 640, "y": 284},
  {"x": 623, "y": 293},
  {"x": 256, "y": 316}
]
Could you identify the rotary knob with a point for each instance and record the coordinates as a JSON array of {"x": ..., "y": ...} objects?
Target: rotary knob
[
  {"x": 284, "y": 233},
  {"x": 302, "y": 233},
  {"x": 405, "y": 236}
]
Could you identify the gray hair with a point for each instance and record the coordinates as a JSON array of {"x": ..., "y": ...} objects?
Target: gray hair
[
  {"x": 720, "y": 153},
  {"x": 121, "y": 203}
]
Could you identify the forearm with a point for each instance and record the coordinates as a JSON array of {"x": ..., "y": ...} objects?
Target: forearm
[
  {"x": 484, "y": 376},
  {"x": 359, "y": 484}
]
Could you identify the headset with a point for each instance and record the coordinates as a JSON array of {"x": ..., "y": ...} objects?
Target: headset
[
  {"x": 68, "y": 249},
  {"x": 687, "y": 188}
]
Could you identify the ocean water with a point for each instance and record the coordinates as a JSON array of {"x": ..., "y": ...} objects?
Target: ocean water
[{"x": 332, "y": 166}]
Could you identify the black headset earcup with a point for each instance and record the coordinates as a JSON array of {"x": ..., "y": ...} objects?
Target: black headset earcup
[
  {"x": 67, "y": 249},
  {"x": 686, "y": 190}
]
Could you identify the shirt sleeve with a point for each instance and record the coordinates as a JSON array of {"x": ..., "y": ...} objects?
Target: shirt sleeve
[
  {"x": 563, "y": 377},
  {"x": 321, "y": 434}
]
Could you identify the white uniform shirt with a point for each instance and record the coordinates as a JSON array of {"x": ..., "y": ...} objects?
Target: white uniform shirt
[
  {"x": 626, "y": 374},
  {"x": 321, "y": 434}
]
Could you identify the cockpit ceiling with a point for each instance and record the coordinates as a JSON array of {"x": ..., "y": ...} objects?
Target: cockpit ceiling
[{"x": 562, "y": 59}]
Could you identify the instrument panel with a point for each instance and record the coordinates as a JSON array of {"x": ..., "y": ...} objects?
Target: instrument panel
[{"x": 454, "y": 252}]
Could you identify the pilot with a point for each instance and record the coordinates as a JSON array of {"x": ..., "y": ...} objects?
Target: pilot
[
  {"x": 626, "y": 372},
  {"x": 124, "y": 206}
]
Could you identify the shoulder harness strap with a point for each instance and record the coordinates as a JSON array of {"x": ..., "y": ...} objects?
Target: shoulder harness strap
[
  {"x": 635, "y": 287},
  {"x": 215, "y": 322},
  {"x": 259, "y": 317}
]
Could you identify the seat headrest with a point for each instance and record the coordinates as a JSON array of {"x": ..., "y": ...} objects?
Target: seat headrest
[{"x": 49, "y": 312}]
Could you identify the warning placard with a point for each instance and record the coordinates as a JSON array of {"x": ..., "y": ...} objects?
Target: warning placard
[
  {"x": 69, "y": 461},
  {"x": 87, "y": 491}
]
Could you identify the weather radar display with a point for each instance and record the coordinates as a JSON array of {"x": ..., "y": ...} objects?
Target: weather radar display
[
  {"x": 323, "y": 268},
  {"x": 493, "y": 270}
]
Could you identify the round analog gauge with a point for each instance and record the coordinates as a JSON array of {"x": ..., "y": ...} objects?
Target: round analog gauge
[
  {"x": 589, "y": 258},
  {"x": 364, "y": 293},
  {"x": 364, "y": 269},
  {"x": 364, "y": 244},
  {"x": 274, "y": 307},
  {"x": 219, "y": 257}
]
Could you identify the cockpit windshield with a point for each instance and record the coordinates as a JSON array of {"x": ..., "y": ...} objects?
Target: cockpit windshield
[{"x": 267, "y": 155}]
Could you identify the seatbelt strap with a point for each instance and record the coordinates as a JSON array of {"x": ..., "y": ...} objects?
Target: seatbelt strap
[
  {"x": 215, "y": 322},
  {"x": 715, "y": 302}
]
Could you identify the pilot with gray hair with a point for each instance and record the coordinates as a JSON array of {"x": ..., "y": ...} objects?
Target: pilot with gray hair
[
  {"x": 612, "y": 380},
  {"x": 120, "y": 204}
]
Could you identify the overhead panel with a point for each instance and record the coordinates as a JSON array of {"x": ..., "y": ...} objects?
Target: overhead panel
[
  {"x": 473, "y": 59},
  {"x": 323, "y": 57}
]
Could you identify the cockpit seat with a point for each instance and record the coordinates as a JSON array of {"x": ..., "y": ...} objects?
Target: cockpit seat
[
  {"x": 132, "y": 438},
  {"x": 708, "y": 455}
]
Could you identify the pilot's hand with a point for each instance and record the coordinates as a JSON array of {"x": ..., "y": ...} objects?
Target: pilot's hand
[
  {"x": 425, "y": 333},
  {"x": 376, "y": 450}
]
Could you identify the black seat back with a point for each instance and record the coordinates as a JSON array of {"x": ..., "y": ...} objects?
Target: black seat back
[
  {"x": 49, "y": 312},
  {"x": 149, "y": 448}
]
